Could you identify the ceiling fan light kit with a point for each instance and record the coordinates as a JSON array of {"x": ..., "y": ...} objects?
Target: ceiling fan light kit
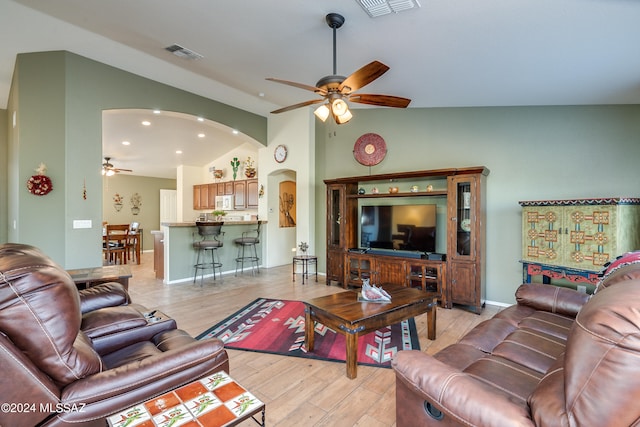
[
  {"x": 109, "y": 170},
  {"x": 336, "y": 90}
]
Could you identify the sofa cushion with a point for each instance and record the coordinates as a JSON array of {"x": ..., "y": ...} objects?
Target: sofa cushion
[
  {"x": 553, "y": 299},
  {"x": 598, "y": 381},
  {"x": 40, "y": 314},
  {"x": 108, "y": 294}
]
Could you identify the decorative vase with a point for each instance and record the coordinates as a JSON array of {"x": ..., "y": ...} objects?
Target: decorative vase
[
  {"x": 218, "y": 173},
  {"x": 250, "y": 172}
]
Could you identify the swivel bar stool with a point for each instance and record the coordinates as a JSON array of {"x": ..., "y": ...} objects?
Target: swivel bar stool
[
  {"x": 247, "y": 249},
  {"x": 209, "y": 233}
]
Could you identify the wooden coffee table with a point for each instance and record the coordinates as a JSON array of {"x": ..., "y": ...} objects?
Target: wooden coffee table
[{"x": 343, "y": 313}]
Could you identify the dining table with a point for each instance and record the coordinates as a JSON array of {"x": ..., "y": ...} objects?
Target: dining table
[{"x": 121, "y": 235}]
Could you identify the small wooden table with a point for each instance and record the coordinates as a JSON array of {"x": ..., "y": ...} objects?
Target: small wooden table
[
  {"x": 87, "y": 277},
  {"x": 343, "y": 313},
  {"x": 215, "y": 401}
]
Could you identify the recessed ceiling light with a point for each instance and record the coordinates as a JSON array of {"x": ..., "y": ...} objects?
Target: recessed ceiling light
[
  {"x": 201, "y": 135},
  {"x": 200, "y": 119},
  {"x": 126, "y": 143},
  {"x": 156, "y": 111},
  {"x": 146, "y": 123},
  {"x": 178, "y": 151},
  {"x": 235, "y": 132}
]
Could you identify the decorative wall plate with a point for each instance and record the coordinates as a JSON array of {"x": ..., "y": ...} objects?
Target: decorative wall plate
[{"x": 370, "y": 149}]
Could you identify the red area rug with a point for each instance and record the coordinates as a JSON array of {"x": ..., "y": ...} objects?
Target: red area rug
[{"x": 277, "y": 327}]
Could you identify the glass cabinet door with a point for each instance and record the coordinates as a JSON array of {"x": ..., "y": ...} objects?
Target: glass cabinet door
[
  {"x": 462, "y": 213},
  {"x": 335, "y": 217}
]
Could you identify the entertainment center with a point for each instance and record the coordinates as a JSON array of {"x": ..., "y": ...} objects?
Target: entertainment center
[{"x": 427, "y": 231}]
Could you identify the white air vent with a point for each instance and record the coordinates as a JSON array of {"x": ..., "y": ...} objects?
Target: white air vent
[
  {"x": 183, "y": 52},
  {"x": 377, "y": 8}
]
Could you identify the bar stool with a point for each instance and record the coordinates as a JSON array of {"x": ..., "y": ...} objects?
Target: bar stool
[
  {"x": 209, "y": 233},
  {"x": 246, "y": 243}
]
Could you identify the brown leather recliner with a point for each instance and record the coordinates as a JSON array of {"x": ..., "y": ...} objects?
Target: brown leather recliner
[
  {"x": 61, "y": 367},
  {"x": 556, "y": 358}
]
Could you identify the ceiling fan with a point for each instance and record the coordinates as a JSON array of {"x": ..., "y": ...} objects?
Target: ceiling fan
[
  {"x": 336, "y": 90},
  {"x": 109, "y": 170}
]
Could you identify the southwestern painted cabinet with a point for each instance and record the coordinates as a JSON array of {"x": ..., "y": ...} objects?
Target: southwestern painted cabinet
[{"x": 581, "y": 234}]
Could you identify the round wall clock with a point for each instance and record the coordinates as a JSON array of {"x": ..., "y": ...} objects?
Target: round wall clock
[
  {"x": 280, "y": 153},
  {"x": 370, "y": 149}
]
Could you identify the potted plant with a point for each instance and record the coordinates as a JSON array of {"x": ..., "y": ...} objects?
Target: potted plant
[
  {"x": 249, "y": 168},
  {"x": 218, "y": 214}
]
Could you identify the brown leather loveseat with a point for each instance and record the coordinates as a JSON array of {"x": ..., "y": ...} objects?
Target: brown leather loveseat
[
  {"x": 72, "y": 358},
  {"x": 556, "y": 358}
]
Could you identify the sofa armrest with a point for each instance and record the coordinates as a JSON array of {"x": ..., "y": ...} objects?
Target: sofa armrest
[
  {"x": 184, "y": 361},
  {"x": 113, "y": 328},
  {"x": 109, "y": 294},
  {"x": 462, "y": 399},
  {"x": 554, "y": 299}
]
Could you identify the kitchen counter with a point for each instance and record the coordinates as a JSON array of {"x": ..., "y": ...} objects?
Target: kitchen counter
[
  {"x": 193, "y": 223},
  {"x": 180, "y": 257}
]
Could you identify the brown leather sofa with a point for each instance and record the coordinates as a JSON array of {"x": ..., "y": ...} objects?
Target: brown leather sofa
[
  {"x": 74, "y": 358},
  {"x": 556, "y": 358}
]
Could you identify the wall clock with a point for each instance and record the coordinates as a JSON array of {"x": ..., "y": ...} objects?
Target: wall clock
[
  {"x": 370, "y": 149},
  {"x": 280, "y": 153}
]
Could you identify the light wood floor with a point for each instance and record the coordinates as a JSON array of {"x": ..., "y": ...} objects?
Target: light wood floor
[{"x": 297, "y": 392}]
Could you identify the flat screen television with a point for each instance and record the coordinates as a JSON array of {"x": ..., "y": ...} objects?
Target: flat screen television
[{"x": 399, "y": 227}]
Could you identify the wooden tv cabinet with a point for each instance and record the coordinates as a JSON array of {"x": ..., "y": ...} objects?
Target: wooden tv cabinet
[{"x": 459, "y": 193}]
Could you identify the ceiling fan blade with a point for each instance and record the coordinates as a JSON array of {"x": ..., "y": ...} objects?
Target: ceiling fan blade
[
  {"x": 294, "y": 106},
  {"x": 299, "y": 85},
  {"x": 363, "y": 77},
  {"x": 380, "y": 100},
  {"x": 122, "y": 170}
]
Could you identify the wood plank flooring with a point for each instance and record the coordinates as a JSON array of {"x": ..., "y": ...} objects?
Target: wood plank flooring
[{"x": 297, "y": 392}]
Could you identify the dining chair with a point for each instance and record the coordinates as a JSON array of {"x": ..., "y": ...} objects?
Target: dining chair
[
  {"x": 114, "y": 243},
  {"x": 133, "y": 240}
]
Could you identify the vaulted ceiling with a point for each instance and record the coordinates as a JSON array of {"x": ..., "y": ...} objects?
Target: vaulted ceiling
[{"x": 445, "y": 53}]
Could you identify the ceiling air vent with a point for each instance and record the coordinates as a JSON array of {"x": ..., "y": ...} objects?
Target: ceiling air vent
[
  {"x": 183, "y": 52},
  {"x": 377, "y": 8}
]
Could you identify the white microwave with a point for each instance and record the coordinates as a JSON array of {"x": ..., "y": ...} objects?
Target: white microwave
[{"x": 224, "y": 203}]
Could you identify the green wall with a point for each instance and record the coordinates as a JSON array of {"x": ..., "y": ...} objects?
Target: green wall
[
  {"x": 4, "y": 163},
  {"x": 59, "y": 98},
  {"x": 149, "y": 190},
  {"x": 532, "y": 153}
]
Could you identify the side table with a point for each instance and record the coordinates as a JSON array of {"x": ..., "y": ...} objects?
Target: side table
[
  {"x": 87, "y": 277},
  {"x": 214, "y": 401},
  {"x": 305, "y": 261}
]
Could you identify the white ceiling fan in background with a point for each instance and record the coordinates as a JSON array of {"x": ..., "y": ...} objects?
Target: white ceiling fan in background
[{"x": 109, "y": 170}]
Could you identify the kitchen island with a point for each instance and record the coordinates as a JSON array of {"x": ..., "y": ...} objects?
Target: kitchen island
[{"x": 180, "y": 257}]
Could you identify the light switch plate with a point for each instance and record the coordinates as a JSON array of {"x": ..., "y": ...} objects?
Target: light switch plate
[{"x": 81, "y": 223}]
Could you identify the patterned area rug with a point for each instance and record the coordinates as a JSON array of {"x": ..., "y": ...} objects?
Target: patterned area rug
[{"x": 277, "y": 327}]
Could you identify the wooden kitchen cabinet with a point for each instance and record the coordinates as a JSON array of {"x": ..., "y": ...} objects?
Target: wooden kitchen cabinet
[
  {"x": 252, "y": 194},
  {"x": 239, "y": 194},
  {"x": 245, "y": 192},
  {"x": 196, "y": 197}
]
